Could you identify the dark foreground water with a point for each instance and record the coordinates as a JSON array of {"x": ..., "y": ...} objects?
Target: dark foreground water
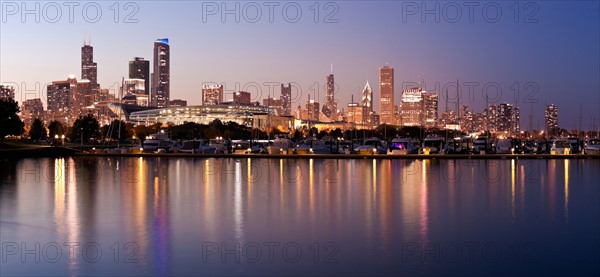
[{"x": 187, "y": 216}]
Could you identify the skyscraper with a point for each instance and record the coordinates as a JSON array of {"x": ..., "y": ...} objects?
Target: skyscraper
[
  {"x": 61, "y": 99},
  {"x": 430, "y": 109},
  {"x": 356, "y": 113},
  {"x": 313, "y": 109},
  {"x": 212, "y": 94},
  {"x": 491, "y": 116},
  {"x": 367, "y": 104},
  {"x": 386, "y": 90},
  {"x": 89, "y": 72},
  {"x": 84, "y": 96},
  {"x": 551, "y": 115},
  {"x": 89, "y": 69},
  {"x": 515, "y": 120},
  {"x": 504, "y": 117},
  {"x": 286, "y": 99},
  {"x": 330, "y": 107},
  {"x": 161, "y": 78},
  {"x": 412, "y": 107},
  {"x": 140, "y": 69}
]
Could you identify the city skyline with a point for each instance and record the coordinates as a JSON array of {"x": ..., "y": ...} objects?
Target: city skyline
[
  {"x": 468, "y": 46},
  {"x": 416, "y": 107}
]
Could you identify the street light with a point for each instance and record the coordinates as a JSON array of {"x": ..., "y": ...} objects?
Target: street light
[{"x": 63, "y": 139}]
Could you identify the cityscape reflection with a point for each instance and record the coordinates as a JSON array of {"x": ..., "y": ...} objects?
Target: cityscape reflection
[{"x": 161, "y": 213}]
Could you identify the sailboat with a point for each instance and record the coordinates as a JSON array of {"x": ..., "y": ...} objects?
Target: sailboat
[{"x": 117, "y": 150}]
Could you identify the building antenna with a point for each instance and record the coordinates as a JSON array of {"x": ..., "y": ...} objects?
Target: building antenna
[
  {"x": 446, "y": 100},
  {"x": 487, "y": 113},
  {"x": 331, "y": 68},
  {"x": 457, "y": 101},
  {"x": 580, "y": 117}
]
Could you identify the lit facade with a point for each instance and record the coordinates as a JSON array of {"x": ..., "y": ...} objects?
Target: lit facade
[
  {"x": 386, "y": 90},
  {"x": 205, "y": 114},
  {"x": 32, "y": 109},
  {"x": 275, "y": 104},
  {"x": 355, "y": 113},
  {"x": 412, "y": 107},
  {"x": 89, "y": 69},
  {"x": 504, "y": 117},
  {"x": 449, "y": 118},
  {"x": 134, "y": 86},
  {"x": 61, "y": 99},
  {"x": 84, "y": 96},
  {"x": 266, "y": 122},
  {"x": 161, "y": 76},
  {"x": 241, "y": 97},
  {"x": 491, "y": 117},
  {"x": 430, "y": 109},
  {"x": 551, "y": 116},
  {"x": 330, "y": 107},
  {"x": 7, "y": 91},
  {"x": 212, "y": 94},
  {"x": 140, "y": 69},
  {"x": 286, "y": 99},
  {"x": 367, "y": 104},
  {"x": 516, "y": 120},
  {"x": 312, "y": 109}
]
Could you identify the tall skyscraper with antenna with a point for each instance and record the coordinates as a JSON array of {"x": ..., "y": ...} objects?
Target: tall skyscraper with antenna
[
  {"x": 89, "y": 69},
  {"x": 330, "y": 107}
]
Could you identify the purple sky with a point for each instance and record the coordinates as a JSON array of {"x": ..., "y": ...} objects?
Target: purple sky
[{"x": 547, "y": 51}]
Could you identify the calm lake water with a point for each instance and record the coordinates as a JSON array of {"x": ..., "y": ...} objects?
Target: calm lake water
[{"x": 193, "y": 216}]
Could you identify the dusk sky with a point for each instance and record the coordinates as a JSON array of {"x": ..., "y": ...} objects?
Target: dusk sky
[{"x": 558, "y": 50}]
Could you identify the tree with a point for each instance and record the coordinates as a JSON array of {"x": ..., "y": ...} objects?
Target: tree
[
  {"x": 37, "y": 130},
  {"x": 56, "y": 128},
  {"x": 10, "y": 122},
  {"x": 337, "y": 133},
  {"x": 112, "y": 130},
  {"x": 86, "y": 127},
  {"x": 142, "y": 131}
]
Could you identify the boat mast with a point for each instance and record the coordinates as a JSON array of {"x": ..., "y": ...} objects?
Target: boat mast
[{"x": 120, "y": 103}]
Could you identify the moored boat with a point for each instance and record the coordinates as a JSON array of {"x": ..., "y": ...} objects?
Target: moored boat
[
  {"x": 371, "y": 146},
  {"x": 592, "y": 147},
  {"x": 197, "y": 147},
  {"x": 560, "y": 146},
  {"x": 402, "y": 146},
  {"x": 433, "y": 145}
]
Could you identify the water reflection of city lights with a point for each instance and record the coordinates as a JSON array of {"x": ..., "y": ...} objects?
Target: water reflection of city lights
[{"x": 566, "y": 189}]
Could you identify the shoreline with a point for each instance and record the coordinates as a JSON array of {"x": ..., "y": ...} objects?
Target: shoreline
[
  {"x": 348, "y": 156},
  {"x": 53, "y": 152}
]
